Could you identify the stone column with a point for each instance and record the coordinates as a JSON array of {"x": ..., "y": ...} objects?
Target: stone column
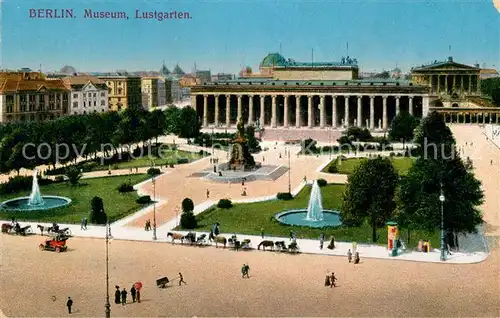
[
  {"x": 193, "y": 101},
  {"x": 398, "y": 109},
  {"x": 273, "y": 112},
  {"x": 470, "y": 83},
  {"x": 425, "y": 106},
  {"x": 250, "y": 110},
  {"x": 334, "y": 111},
  {"x": 240, "y": 111},
  {"x": 484, "y": 118},
  {"x": 446, "y": 84},
  {"x": 384, "y": 112},
  {"x": 372, "y": 112},
  {"x": 262, "y": 111},
  {"x": 438, "y": 84},
  {"x": 461, "y": 84},
  {"x": 216, "y": 120},
  {"x": 310, "y": 111},
  {"x": 285, "y": 112},
  {"x": 346, "y": 111},
  {"x": 205, "y": 110},
  {"x": 360, "y": 115},
  {"x": 228, "y": 111},
  {"x": 297, "y": 111},
  {"x": 322, "y": 112},
  {"x": 410, "y": 106}
]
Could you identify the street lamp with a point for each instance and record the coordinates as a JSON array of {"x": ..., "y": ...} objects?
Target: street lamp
[
  {"x": 154, "y": 208},
  {"x": 107, "y": 305},
  {"x": 289, "y": 169},
  {"x": 441, "y": 198}
]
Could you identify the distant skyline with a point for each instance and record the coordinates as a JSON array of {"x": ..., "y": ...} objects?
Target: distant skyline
[{"x": 228, "y": 35}]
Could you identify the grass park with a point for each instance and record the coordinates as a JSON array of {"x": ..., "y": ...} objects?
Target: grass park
[
  {"x": 117, "y": 205},
  {"x": 249, "y": 218},
  {"x": 347, "y": 166}
]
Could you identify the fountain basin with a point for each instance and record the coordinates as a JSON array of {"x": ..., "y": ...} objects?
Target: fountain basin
[
  {"x": 331, "y": 218},
  {"x": 21, "y": 204}
]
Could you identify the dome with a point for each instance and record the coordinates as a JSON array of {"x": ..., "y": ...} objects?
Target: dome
[
  {"x": 66, "y": 69},
  {"x": 273, "y": 59}
]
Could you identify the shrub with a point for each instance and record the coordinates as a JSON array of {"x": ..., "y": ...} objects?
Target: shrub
[
  {"x": 59, "y": 179},
  {"x": 182, "y": 160},
  {"x": 188, "y": 220},
  {"x": 344, "y": 140},
  {"x": 399, "y": 154},
  {"x": 322, "y": 182},
  {"x": 154, "y": 171},
  {"x": 143, "y": 199},
  {"x": 225, "y": 204},
  {"x": 332, "y": 168},
  {"x": 73, "y": 174},
  {"x": 309, "y": 145},
  {"x": 187, "y": 205},
  {"x": 284, "y": 196},
  {"x": 392, "y": 154},
  {"x": 97, "y": 214},
  {"x": 125, "y": 187}
]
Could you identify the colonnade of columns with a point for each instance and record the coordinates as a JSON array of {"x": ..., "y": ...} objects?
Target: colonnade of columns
[
  {"x": 472, "y": 117},
  {"x": 447, "y": 83},
  {"x": 307, "y": 110}
]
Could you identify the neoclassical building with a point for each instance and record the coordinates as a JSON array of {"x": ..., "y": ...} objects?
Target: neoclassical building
[{"x": 293, "y": 95}]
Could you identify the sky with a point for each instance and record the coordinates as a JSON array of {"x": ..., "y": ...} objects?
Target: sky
[{"x": 225, "y": 36}]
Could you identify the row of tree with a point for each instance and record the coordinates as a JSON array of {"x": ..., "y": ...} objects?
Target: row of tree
[
  {"x": 70, "y": 137},
  {"x": 376, "y": 194},
  {"x": 491, "y": 88}
]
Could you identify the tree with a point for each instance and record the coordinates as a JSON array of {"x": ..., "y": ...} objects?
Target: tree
[
  {"x": 73, "y": 174},
  {"x": 97, "y": 214},
  {"x": 439, "y": 164},
  {"x": 402, "y": 127},
  {"x": 187, "y": 205},
  {"x": 172, "y": 119},
  {"x": 156, "y": 123},
  {"x": 252, "y": 142},
  {"x": 369, "y": 195},
  {"x": 189, "y": 126},
  {"x": 491, "y": 87}
]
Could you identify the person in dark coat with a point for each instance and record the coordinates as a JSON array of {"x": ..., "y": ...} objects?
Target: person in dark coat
[
  {"x": 117, "y": 295},
  {"x": 69, "y": 303},
  {"x": 132, "y": 292},
  {"x": 124, "y": 296},
  {"x": 332, "y": 280}
]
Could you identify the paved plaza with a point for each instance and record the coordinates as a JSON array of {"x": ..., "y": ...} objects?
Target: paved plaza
[{"x": 280, "y": 284}]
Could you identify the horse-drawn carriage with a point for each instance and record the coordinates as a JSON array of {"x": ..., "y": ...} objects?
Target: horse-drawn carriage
[
  {"x": 16, "y": 229},
  {"x": 237, "y": 244},
  {"x": 54, "y": 230},
  {"x": 279, "y": 246},
  {"x": 188, "y": 238},
  {"x": 56, "y": 243}
]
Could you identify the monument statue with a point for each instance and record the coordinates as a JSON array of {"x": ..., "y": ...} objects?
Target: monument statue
[{"x": 240, "y": 153}]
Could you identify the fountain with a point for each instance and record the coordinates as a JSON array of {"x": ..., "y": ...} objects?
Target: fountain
[
  {"x": 313, "y": 216},
  {"x": 35, "y": 201}
]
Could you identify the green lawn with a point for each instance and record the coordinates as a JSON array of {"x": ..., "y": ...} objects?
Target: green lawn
[
  {"x": 401, "y": 164},
  {"x": 168, "y": 157},
  {"x": 249, "y": 218},
  {"x": 117, "y": 205}
]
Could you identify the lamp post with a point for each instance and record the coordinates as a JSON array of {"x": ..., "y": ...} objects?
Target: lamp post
[
  {"x": 107, "y": 305},
  {"x": 442, "y": 198},
  {"x": 289, "y": 169},
  {"x": 154, "y": 208}
]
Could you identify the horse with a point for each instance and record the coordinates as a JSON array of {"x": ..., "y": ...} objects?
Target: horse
[
  {"x": 190, "y": 237},
  {"x": 265, "y": 244},
  {"x": 175, "y": 236},
  {"x": 6, "y": 227},
  {"x": 280, "y": 245},
  {"x": 43, "y": 228},
  {"x": 220, "y": 239},
  {"x": 201, "y": 239}
]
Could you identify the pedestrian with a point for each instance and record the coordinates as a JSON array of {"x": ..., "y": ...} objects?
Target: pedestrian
[
  {"x": 331, "y": 246},
  {"x": 305, "y": 178},
  {"x": 349, "y": 255},
  {"x": 321, "y": 240},
  {"x": 136, "y": 169},
  {"x": 243, "y": 182},
  {"x": 491, "y": 162},
  {"x": 217, "y": 230},
  {"x": 85, "y": 223},
  {"x": 208, "y": 194},
  {"x": 146, "y": 226},
  {"x": 138, "y": 292},
  {"x": 356, "y": 258},
  {"x": 69, "y": 303},
  {"x": 81, "y": 225},
  {"x": 133, "y": 293},
  {"x": 327, "y": 280},
  {"x": 243, "y": 271},
  {"x": 247, "y": 269},
  {"x": 181, "y": 279},
  {"x": 291, "y": 235},
  {"x": 262, "y": 232},
  {"x": 124, "y": 297},
  {"x": 332, "y": 280},
  {"x": 117, "y": 295}
]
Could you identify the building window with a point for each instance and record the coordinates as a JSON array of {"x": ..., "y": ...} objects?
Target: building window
[
  {"x": 84, "y": 104},
  {"x": 95, "y": 94},
  {"x": 75, "y": 95},
  {"x": 103, "y": 102},
  {"x": 102, "y": 94},
  {"x": 119, "y": 91},
  {"x": 75, "y": 104},
  {"x": 94, "y": 103}
]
